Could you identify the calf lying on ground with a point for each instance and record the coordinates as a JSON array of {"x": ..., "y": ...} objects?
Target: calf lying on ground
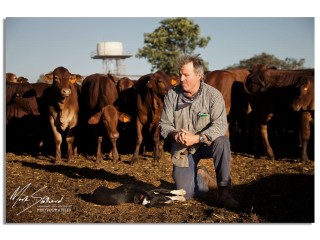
[{"x": 132, "y": 194}]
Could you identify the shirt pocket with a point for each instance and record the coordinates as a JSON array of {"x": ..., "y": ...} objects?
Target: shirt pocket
[{"x": 200, "y": 121}]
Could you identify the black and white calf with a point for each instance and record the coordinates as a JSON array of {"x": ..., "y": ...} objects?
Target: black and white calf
[{"x": 132, "y": 194}]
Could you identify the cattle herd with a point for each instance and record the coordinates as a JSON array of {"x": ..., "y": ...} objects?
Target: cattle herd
[{"x": 266, "y": 108}]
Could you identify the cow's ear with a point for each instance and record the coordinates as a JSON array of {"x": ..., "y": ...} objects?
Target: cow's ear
[
  {"x": 123, "y": 117},
  {"x": 95, "y": 119},
  {"x": 150, "y": 83},
  {"x": 151, "y": 80}
]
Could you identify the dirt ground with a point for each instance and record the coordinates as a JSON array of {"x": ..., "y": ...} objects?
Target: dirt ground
[{"x": 278, "y": 191}]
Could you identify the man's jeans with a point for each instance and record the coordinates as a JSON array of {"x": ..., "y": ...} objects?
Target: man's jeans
[{"x": 187, "y": 178}]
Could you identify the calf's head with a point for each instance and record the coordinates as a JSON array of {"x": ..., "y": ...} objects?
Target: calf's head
[
  {"x": 61, "y": 81},
  {"x": 109, "y": 117},
  {"x": 305, "y": 99}
]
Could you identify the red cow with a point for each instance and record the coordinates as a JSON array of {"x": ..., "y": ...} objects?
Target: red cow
[
  {"x": 305, "y": 104},
  {"x": 20, "y": 100},
  {"x": 126, "y": 103},
  {"x": 98, "y": 94},
  {"x": 43, "y": 135},
  {"x": 230, "y": 84},
  {"x": 21, "y": 111},
  {"x": 150, "y": 91},
  {"x": 263, "y": 78},
  {"x": 266, "y": 80},
  {"x": 63, "y": 110},
  {"x": 223, "y": 80}
]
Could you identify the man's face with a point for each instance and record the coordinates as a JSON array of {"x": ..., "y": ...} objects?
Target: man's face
[{"x": 190, "y": 81}]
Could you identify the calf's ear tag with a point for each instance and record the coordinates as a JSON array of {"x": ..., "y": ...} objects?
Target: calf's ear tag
[
  {"x": 72, "y": 80},
  {"x": 126, "y": 119}
]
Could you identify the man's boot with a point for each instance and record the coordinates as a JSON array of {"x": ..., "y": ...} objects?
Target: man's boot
[{"x": 225, "y": 199}]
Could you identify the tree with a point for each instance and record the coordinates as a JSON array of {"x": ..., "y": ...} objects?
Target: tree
[
  {"x": 175, "y": 37},
  {"x": 270, "y": 60}
]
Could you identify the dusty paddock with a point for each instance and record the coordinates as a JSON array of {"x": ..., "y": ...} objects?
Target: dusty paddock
[{"x": 279, "y": 191}]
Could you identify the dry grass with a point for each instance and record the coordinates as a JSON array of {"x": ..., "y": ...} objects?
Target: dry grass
[{"x": 269, "y": 191}]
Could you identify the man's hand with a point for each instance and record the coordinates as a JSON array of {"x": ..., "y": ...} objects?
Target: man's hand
[{"x": 186, "y": 138}]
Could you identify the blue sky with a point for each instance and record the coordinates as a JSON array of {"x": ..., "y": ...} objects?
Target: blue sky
[{"x": 35, "y": 45}]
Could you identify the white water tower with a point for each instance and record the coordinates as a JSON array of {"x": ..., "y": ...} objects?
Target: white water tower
[{"x": 113, "y": 57}]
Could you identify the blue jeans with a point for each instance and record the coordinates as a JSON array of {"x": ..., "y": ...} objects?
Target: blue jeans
[{"x": 187, "y": 178}]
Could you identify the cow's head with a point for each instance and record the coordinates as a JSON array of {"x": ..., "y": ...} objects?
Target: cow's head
[
  {"x": 10, "y": 77},
  {"x": 25, "y": 98},
  {"x": 255, "y": 82},
  {"x": 109, "y": 117},
  {"x": 305, "y": 99},
  {"x": 61, "y": 81},
  {"x": 159, "y": 82}
]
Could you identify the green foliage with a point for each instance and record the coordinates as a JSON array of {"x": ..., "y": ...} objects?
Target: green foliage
[
  {"x": 175, "y": 37},
  {"x": 271, "y": 61}
]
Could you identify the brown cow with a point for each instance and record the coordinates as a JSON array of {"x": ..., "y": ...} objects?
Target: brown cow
[
  {"x": 150, "y": 90},
  {"x": 20, "y": 100},
  {"x": 43, "y": 135},
  {"x": 265, "y": 80},
  {"x": 305, "y": 104},
  {"x": 223, "y": 80},
  {"x": 21, "y": 111},
  {"x": 98, "y": 95},
  {"x": 63, "y": 110},
  {"x": 305, "y": 99},
  {"x": 230, "y": 84}
]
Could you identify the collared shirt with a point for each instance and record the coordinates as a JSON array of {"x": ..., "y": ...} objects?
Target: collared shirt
[{"x": 206, "y": 114}]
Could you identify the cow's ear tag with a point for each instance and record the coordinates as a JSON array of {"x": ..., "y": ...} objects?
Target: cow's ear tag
[
  {"x": 173, "y": 82},
  {"x": 124, "y": 118},
  {"x": 72, "y": 80}
]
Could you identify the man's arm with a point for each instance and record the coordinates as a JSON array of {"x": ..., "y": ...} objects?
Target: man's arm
[
  {"x": 219, "y": 123},
  {"x": 166, "y": 123}
]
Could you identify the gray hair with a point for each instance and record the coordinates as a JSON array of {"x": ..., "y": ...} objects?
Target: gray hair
[{"x": 198, "y": 64}]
